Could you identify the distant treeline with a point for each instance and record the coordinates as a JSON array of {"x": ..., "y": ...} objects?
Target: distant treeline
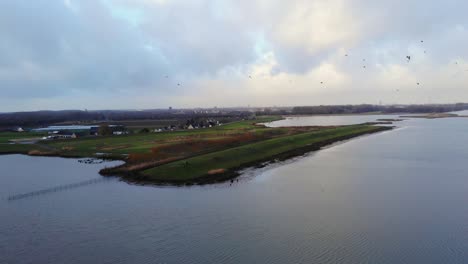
[
  {"x": 44, "y": 118},
  {"x": 386, "y": 109}
]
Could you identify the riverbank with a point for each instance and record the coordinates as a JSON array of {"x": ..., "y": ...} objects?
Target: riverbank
[
  {"x": 225, "y": 165},
  {"x": 433, "y": 115},
  {"x": 198, "y": 156}
]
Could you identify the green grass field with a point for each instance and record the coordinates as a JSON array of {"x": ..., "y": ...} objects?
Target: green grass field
[
  {"x": 19, "y": 148},
  {"x": 143, "y": 143},
  {"x": 192, "y": 168},
  {"x": 6, "y": 147},
  {"x": 134, "y": 143},
  {"x": 5, "y": 137},
  {"x": 188, "y": 155}
]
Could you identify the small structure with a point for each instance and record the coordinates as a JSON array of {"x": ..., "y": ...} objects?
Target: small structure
[
  {"x": 94, "y": 131},
  {"x": 66, "y": 134},
  {"x": 118, "y": 130},
  {"x": 79, "y": 130},
  {"x": 17, "y": 129}
]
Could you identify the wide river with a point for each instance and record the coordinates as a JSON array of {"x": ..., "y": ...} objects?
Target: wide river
[{"x": 395, "y": 197}]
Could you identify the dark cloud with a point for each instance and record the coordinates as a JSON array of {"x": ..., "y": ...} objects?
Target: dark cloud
[{"x": 76, "y": 49}]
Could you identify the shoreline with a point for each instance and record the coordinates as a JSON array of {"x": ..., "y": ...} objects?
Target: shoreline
[
  {"x": 232, "y": 173},
  {"x": 138, "y": 178},
  {"x": 222, "y": 165}
]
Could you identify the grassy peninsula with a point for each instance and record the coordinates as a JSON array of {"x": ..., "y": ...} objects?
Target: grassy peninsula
[
  {"x": 192, "y": 156},
  {"x": 227, "y": 162}
]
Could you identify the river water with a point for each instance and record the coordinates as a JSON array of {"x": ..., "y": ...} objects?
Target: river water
[
  {"x": 328, "y": 120},
  {"x": 395, "y": 197}
]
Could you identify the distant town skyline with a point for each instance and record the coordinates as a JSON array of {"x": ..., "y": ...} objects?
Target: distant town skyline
[{"x": 155, "y": 54}]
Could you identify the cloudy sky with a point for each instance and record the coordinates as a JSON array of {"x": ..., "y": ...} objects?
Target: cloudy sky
[{"x": 134, "y": 54}]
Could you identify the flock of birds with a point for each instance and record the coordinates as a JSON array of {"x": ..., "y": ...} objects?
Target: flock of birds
[{"x": 408, "y": 59}]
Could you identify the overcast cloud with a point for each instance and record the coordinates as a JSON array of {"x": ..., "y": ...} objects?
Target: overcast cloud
[{"x": 114, "y": 54}]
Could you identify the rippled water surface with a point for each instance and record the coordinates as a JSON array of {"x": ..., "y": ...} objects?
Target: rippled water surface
[{"x": 394, "y": 197}]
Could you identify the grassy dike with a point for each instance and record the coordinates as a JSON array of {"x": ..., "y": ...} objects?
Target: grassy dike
[{"x": 224, "y": 165}]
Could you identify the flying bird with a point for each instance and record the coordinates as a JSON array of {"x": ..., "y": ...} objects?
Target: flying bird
[
  {"x": 408, "y": 58},
  {"x": 417, "y": 83}
]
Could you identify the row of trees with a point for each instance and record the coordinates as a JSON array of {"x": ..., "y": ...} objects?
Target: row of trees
[
  {"x": 44, "y": 118},
  {"x": 367, "y": 108}
]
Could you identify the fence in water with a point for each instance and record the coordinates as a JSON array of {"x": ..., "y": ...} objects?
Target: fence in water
[{"x": 56, "y": 189}]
